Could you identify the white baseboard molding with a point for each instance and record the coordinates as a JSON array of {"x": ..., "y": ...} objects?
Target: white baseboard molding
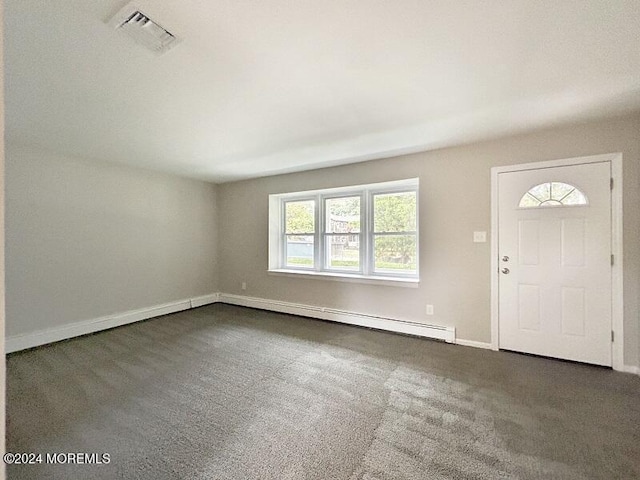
[
  {"x": 42, "y": 337},
  {"x": 631, "y": 369},
  {"x": 473, "y": 343},
  {"x": 15, "y": 343},
  {"x": 363, "y": 320},
  {"x": 205, "y": 300}
]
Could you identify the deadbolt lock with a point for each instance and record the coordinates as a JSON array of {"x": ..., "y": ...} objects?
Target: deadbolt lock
[{"x": 505, "y": 259}]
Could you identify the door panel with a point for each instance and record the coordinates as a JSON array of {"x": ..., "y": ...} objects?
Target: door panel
[{"x": 555, "y": 297}]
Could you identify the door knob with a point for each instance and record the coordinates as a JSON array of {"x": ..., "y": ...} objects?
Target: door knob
[{"x": 505, "y": 271}]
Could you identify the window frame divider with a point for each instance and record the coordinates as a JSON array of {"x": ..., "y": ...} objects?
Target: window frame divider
[{"x": 366, "y": 193}]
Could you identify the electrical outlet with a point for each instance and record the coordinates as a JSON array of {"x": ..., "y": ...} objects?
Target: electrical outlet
[
  {"x": 244, "y": 285},
  {"x": 429, "y": 309}
]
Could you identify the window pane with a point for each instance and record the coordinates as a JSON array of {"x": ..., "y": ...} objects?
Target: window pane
[
  {"x": 299, "y": 250},
  {"x": 299, "y": 217},
  {"x": 343, "y": 215},
  {"x": 575, "y": 198},
  {"x": 542, "y": 192},
  {"x": 343, "y": 252},
  {"x": 394, "y": 212},
  {"x": 395, "y": 253},
  {"x": 560, "y": 190},
  {"x": 552, "y": 194},
  {"x": 529, "y": 200}
]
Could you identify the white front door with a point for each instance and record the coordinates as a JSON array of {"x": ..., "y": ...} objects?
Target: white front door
[{"x": 554, "y": 244}]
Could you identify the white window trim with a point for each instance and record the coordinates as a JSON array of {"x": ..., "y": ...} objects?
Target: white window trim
[
  {"x": 367, "y": 273},
  {"x": 409, "y": 282}
]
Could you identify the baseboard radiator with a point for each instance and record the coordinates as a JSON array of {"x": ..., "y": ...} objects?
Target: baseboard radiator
[
  {"x": 15, "y": 343},
  {"x": 24, "y": 341},
  {"x": 438, "y": 332}
]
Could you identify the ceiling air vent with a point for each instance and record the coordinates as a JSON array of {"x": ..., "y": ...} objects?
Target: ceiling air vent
[{"x": 143, "y": 30}]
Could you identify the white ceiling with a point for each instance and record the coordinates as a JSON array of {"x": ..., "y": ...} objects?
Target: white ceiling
[{"x": 259, "y": 87}]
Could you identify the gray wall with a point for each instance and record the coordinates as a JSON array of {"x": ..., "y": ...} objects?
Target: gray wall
[
  {"x": 86, "y": 239},
  {"x": 454, "y": 201}
]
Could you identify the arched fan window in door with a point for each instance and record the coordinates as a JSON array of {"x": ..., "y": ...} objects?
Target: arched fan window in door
[{"x": 553, "y": 194}]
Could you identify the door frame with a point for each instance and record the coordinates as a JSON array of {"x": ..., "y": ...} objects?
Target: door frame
[{"x": 617, "y": 294}]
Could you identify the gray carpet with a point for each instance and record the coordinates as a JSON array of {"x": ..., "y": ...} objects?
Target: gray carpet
[{"x": 224, "y": 392}]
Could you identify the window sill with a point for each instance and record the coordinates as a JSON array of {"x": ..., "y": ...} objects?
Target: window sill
[{"x": 347, "y": 277}]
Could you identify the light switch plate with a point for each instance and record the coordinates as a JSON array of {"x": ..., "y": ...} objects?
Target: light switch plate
[{"x": 479, "y": 237}]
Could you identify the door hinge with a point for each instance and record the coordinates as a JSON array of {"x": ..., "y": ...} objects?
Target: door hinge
[
  {"x": 612, "y": 335},
  {"x": 611, "y": 183},
  {"x": 612, "y": 259}
]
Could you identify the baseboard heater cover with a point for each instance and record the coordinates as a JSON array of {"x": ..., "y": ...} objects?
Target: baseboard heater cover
[
  {"x": 24, "y": 341},
  {"x": 344, "y": 316}
]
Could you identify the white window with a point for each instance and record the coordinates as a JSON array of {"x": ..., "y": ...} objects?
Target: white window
[{"x": 368, "y": 231}]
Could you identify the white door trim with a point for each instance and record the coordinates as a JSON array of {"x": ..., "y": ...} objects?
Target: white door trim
[{"x": 617, "y": 307}]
